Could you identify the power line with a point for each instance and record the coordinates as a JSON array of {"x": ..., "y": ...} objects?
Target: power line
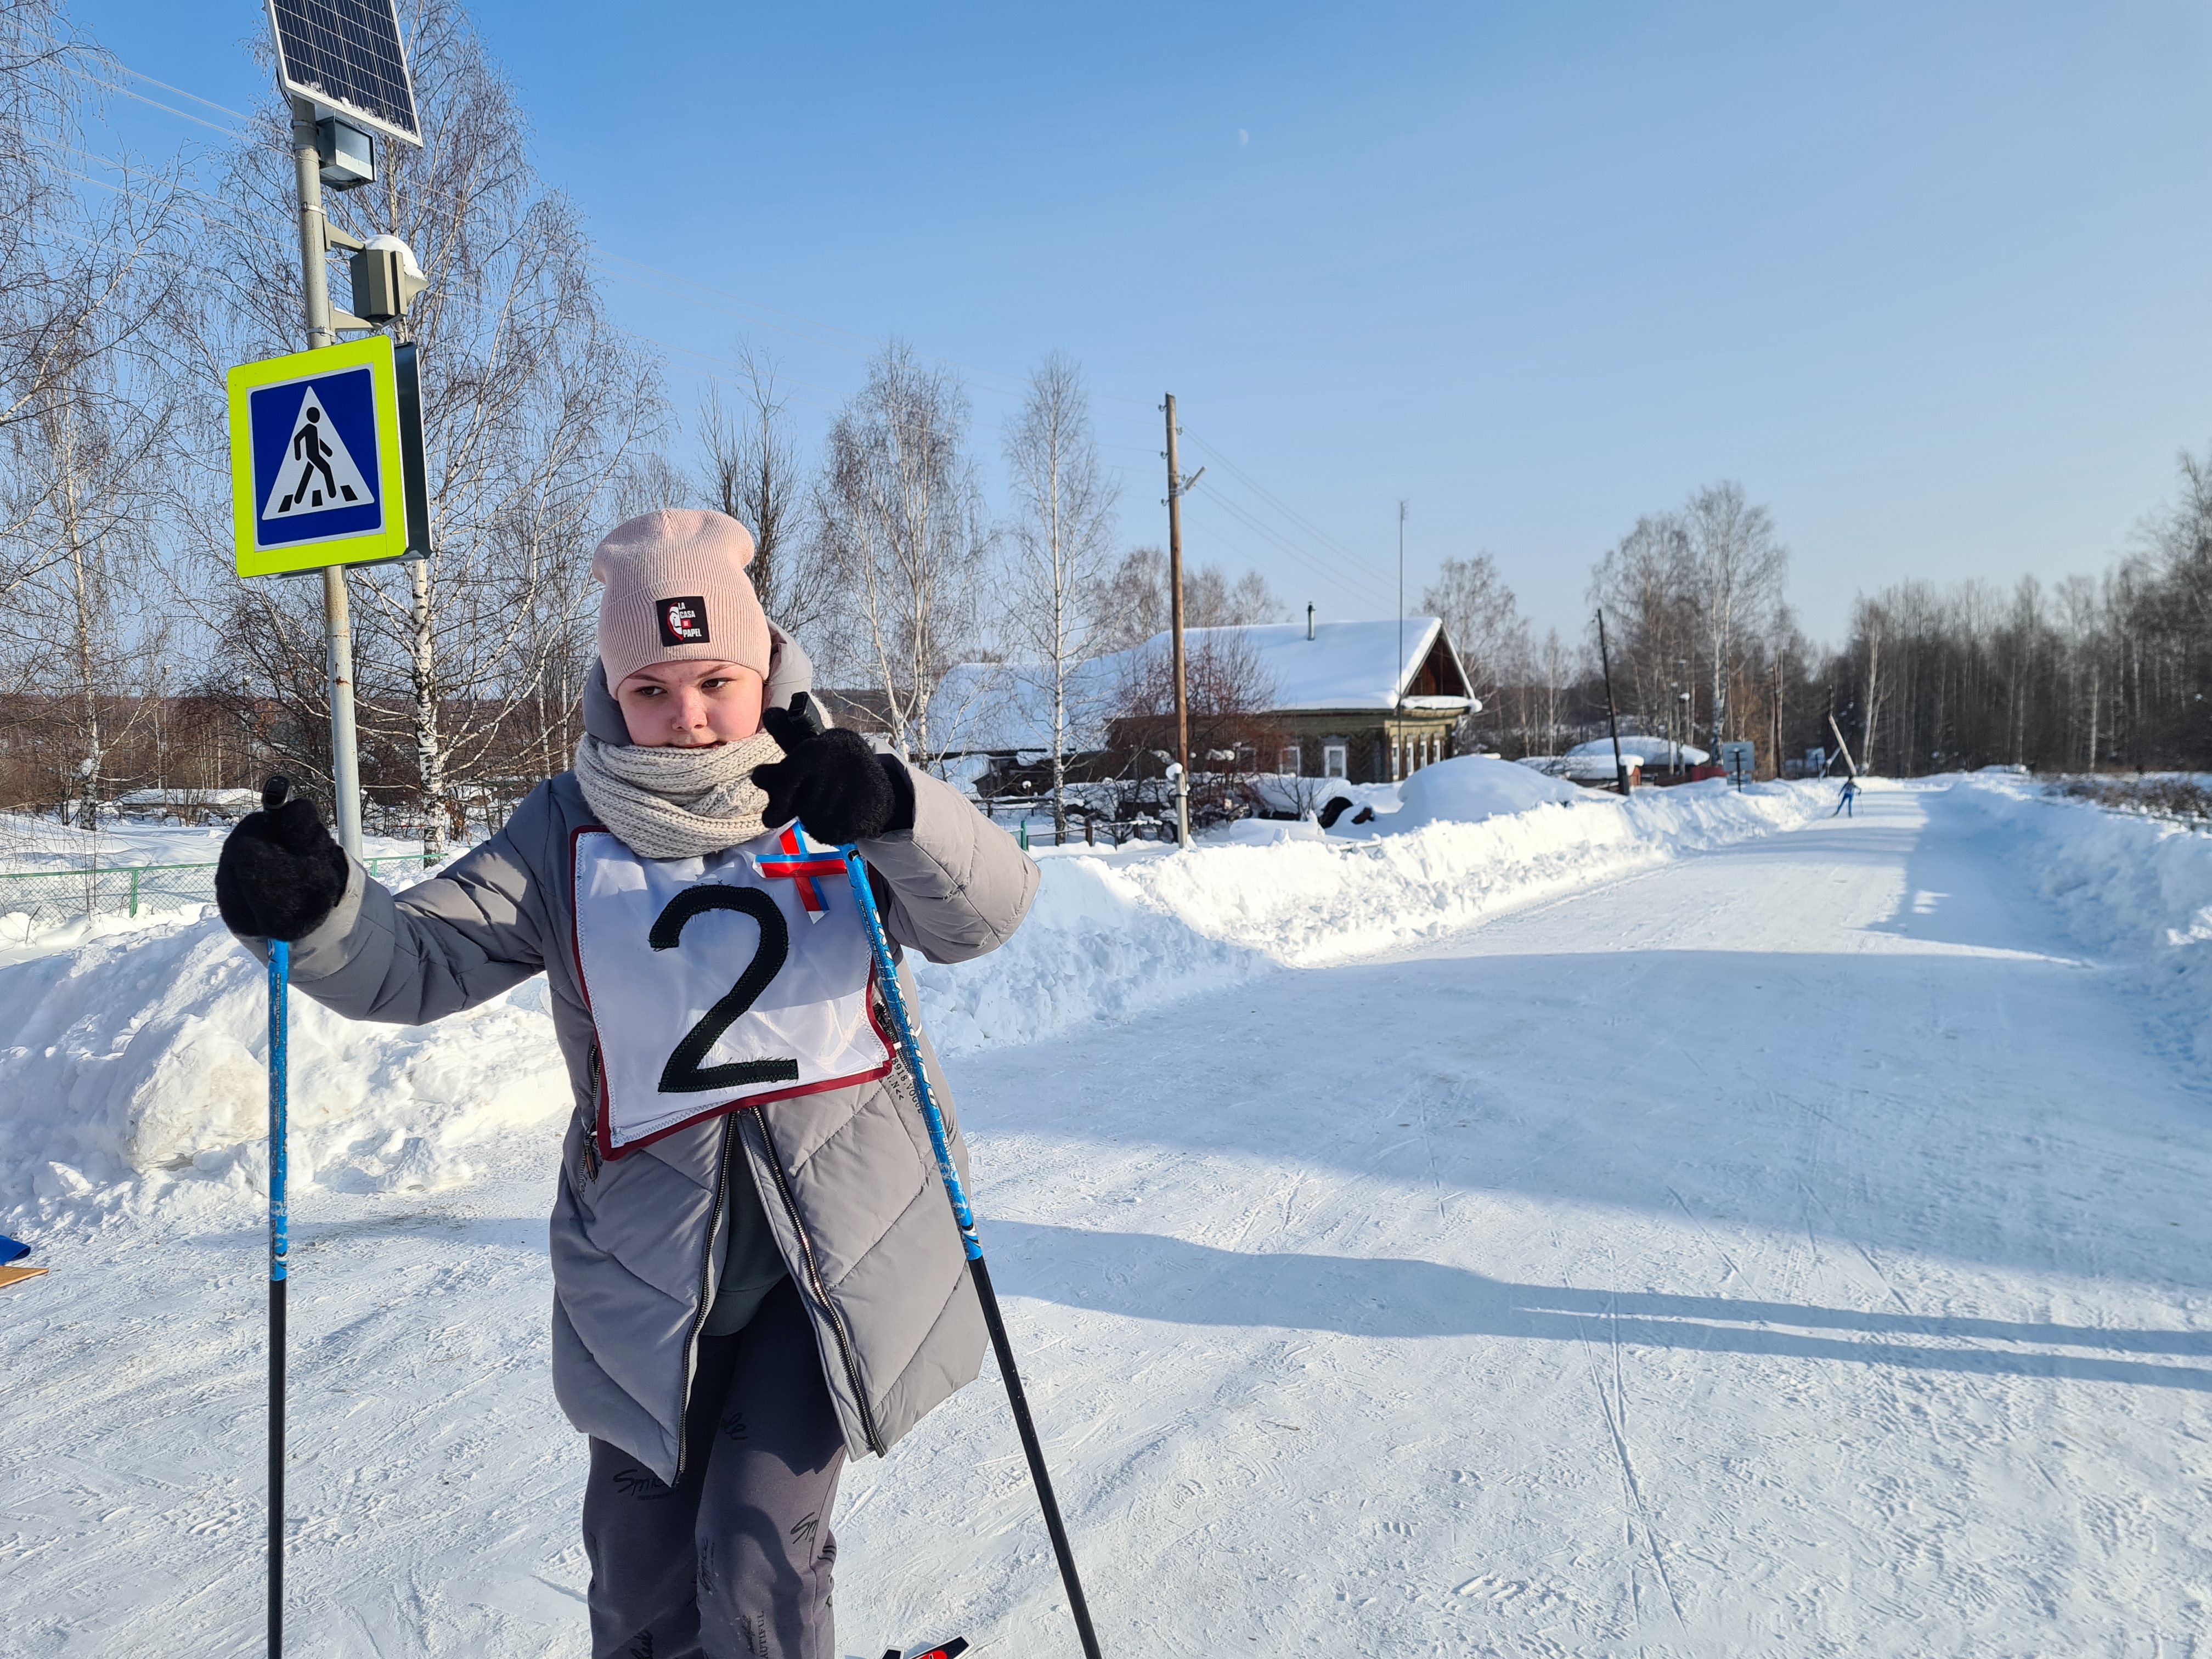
[
  {"x": 1348, "y": 576},
  {"x": 1261, "y": 490}
]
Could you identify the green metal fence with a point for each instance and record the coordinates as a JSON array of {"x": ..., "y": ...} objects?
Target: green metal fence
[{"x": 34, "y": 900}]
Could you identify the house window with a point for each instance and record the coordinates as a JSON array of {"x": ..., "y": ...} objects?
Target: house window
[
  {"x": 1288, "y": 762},
  {"x": 1331, "y": 760}
]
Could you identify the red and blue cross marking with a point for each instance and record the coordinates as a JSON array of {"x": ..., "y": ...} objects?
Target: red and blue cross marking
[{"x": 804, "y": 866}]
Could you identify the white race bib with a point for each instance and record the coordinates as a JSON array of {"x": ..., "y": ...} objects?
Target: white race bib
[{"x": 720, "y": 982}]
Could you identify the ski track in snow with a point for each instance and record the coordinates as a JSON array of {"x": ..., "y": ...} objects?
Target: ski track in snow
[{"x": 1798, "y": 1247}]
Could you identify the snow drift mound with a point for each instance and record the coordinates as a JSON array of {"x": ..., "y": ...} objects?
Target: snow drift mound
[
  {"x": 138, "y": 1062},
  {"x": 132, "y": 1068},
  {"x": 2139, "y": 888},
  {"x": 1472, "y": 788}
]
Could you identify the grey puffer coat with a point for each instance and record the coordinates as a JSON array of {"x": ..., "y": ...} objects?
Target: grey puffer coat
[{"x": 847, "y": 1177}]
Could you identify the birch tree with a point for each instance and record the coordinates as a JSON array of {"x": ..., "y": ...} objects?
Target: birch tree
[
  {"x": 1481, "y": 613},
  {"x": 1136, "y": 601},
  {"x": 1738, "y": 566},
  {"x": 753, "y": 473},
  {"x": 899, "y": 518},
  {"x": 1646, "y": 584},
  {"x": 1062, "y": 523},
  {"x": 83, "y": 487},
  {"x": 85, "y": 402}
]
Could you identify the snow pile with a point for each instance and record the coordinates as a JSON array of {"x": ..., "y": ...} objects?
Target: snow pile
[
  {"x": 135, "y": 1069},
  {"x": 1470, "y": 789},
  {"x": 23, "y": 936},
  {"x": 132, "y": 1068},
  {"x": 1112, "y": 936},
  {"x": 2137, "y": 887}
]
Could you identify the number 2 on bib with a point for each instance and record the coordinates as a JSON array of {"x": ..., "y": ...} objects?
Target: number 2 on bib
[{"x": 684, "y": 1074}]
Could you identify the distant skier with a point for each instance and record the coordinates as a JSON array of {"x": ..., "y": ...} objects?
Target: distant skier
[
  {"x": 1844, "y": 801},
  {"x": 754, "y": 1273}
]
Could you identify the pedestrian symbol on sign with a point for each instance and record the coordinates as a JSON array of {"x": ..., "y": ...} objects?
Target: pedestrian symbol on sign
[{"x": 317, "y": 474}]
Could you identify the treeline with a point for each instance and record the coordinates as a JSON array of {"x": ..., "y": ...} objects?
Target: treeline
[
  {"x": 1699, "y": 635},
  {"x": 2092, "y": 673}
]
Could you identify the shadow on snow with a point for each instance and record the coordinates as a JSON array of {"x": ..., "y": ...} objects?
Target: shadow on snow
[{"x": 1144, "y": 1276}]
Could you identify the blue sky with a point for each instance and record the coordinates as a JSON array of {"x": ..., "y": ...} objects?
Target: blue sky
[{"x": 1929, "y": 280}]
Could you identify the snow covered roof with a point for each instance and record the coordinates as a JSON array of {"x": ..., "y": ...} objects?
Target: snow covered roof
[
  {"x": 1346, "y": 664},
  {"x": 243, "y": 800},
  {"x": 1002, "y": 707},
  {"x": 1583, "y": 768},
  {"x": 1650, "y": 750}
]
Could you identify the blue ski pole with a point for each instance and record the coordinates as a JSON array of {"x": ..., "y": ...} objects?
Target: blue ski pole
[
  {"x": 280, "y": 971},
  {"x": 910, "y": 1051}
]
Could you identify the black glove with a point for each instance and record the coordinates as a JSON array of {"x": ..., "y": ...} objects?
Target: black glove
[
  {"x": 279, "y": 875},
  {"x": 830, "y": 780}
]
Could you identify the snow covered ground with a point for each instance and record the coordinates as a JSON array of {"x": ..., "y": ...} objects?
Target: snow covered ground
[{"x": 1659, "y": 1229}]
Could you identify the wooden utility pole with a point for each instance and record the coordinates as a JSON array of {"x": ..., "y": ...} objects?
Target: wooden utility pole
[
  {"x": 1612, "y": 718},
  {"x": 1866, "y": 726},
  {"x": 1778, "y": 714},
  {"x": 1181, "y": 682},
  {"x": 1843, "y": 748}
]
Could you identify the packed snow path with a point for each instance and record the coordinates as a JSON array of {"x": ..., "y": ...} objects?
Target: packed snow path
[{"x": 1796, "y": 1248}]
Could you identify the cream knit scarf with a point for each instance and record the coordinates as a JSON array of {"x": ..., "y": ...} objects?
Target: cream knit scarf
[{"x": 676, "y": 803}]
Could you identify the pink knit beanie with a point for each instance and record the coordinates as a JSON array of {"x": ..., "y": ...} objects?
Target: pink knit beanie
[{"x": 677, "y": 588}]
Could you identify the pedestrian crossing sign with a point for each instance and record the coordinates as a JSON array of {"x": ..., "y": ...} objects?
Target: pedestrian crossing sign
[{"x": 319, "y": 473}]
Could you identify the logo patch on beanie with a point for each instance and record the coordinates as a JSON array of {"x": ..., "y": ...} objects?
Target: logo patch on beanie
[{"x": 683, "y": 621}]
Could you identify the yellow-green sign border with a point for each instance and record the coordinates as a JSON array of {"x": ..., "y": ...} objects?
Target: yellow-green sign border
[{"x": 374, "y": 352}]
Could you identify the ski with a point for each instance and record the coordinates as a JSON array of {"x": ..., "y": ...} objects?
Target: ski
[{"x": 951, "y": 1649}]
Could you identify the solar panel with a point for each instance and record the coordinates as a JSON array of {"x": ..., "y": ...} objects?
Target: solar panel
[{"x": 345, "y": 55}]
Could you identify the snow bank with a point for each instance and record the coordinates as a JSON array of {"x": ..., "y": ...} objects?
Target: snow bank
[
  {"x": 134, "y": 1072},
  {"x": 1109, "y": 937},
  {"x": 1472, "y": 789},
  {"x": 132, "y": 1068},
  {"x": 2134, "y": 887}
]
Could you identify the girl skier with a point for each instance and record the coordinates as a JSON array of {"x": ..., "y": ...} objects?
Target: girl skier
[{"x": 755, "y": 1269}]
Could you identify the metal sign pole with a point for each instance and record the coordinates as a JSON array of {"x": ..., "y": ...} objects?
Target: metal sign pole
[{"x": 314, "y": 286}]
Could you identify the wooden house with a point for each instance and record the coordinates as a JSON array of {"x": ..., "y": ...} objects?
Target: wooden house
[{"x": 1367, "y": 702}]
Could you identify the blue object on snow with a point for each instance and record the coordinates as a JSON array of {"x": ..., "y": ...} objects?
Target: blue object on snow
[{"x": 12, "y": 1249}]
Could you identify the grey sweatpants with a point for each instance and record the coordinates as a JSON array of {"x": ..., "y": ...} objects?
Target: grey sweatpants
[{"x": 734, "y": 1561}]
